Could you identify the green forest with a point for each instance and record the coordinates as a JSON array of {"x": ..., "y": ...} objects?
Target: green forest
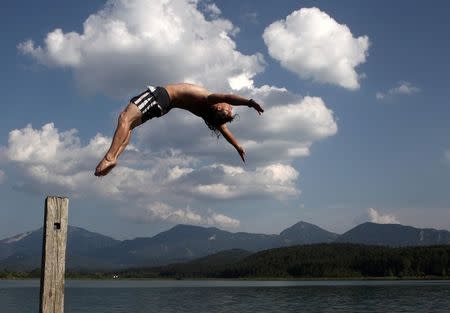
[
  {"x": 306, "y": 261},
  {"x": 314, "y": 261}
]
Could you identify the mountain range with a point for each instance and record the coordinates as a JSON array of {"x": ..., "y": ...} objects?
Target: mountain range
[{"x": 92, "y": 251}]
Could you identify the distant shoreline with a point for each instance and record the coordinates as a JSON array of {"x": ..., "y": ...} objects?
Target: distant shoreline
[{"x": 387, "y": 278}]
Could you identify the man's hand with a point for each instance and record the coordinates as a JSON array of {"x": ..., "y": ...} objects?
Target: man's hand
[
  {"x": 241, "y": 152},
  {"x": 253, "y": 104}
]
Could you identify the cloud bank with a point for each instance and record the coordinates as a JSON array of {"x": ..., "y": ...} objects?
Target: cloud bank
[
  {"x": 130, "y": 42},
  {"x": 162, "y": 211},
  {"x": 175, "y": 159},
  {"x": 127, "y": 43},
  {"x": 49, "y": 159},
  {"x": 313, "y": 45}
]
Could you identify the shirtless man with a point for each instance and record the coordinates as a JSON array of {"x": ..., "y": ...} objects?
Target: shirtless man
[{"x": 214, "y": 108}]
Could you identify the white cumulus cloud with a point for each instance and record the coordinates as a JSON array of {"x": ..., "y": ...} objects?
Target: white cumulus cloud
[
  {"x": 402, "y": 88},
  {"x": 212, "y": 9},
  {"x": 375, "y": 216},
  {"x": 313, "y": 45},
  {"x": 56, "y": 160},
  {"x": 161, "y": 211},
  {"x": 48, "y": 146},
  {"x": 50, "y": 158},
  {"x": 128, "y": 44},
  {"x": 219, "y": 181}
]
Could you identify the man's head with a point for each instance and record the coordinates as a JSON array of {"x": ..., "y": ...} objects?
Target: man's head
[{"x": 218, "y": 114}]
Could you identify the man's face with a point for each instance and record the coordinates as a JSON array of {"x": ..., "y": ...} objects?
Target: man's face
[{"x": 225, "y": 107}]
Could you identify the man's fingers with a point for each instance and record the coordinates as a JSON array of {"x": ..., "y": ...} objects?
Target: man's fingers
[
  {"x": 259, "y": 109},
  {"x": 242, "y": 154}
]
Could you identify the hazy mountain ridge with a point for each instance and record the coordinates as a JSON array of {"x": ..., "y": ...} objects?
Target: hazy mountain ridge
[
  {"x": 305, "y": 233},
  {"x": 182, "y": 243},
  {"x": 26, "y": 252},
  {"x": 394, "y": 235}
]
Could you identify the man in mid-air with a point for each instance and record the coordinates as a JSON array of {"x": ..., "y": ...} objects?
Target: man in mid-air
[{"x": 214, "y": 108}]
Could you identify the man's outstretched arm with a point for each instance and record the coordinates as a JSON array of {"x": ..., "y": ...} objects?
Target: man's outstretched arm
[
  {"x": 230, "y": 138},
  {"x": 234, "y": 100}
]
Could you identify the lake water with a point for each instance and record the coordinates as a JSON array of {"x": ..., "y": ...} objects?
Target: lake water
[{"x": 233, "y": 296}]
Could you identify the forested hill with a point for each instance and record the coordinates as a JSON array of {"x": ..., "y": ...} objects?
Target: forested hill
[
  {"x": 336, "y": 260},
  {"x": 345, "y": 260}
]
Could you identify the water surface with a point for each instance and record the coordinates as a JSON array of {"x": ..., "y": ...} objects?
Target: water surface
[{"x": 234, "y": 296}]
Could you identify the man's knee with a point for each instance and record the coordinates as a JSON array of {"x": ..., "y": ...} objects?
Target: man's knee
[
  {"x": 130, "y": 116},
  {"x": 124, "y": 119}
]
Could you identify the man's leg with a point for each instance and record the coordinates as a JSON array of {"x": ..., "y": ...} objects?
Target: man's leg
[
  {"x": 128, "y": 119},
  {"x": 127, "y": 140}
]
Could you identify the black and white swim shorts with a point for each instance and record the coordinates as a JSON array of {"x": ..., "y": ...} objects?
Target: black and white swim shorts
[{"x": 153, "y": 102}]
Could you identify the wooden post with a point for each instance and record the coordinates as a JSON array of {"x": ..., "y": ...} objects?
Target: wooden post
[{"x": 54, "y": 255}]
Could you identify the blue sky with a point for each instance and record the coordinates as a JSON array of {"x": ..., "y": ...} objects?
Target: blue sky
[{"x": 372, "y": 139}]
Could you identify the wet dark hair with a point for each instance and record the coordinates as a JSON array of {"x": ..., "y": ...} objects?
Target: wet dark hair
[{"x": 214, "y": 118}]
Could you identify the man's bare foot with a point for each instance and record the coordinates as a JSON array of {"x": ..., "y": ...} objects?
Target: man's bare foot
[{"x": 104, "y": 167}]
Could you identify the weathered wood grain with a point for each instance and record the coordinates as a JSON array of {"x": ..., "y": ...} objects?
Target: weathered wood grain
[{"x": 54, "y": 255}]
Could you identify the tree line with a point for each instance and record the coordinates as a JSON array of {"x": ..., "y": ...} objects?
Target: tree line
[
  {"x": 317, "y": 261},
  {"x": 335, "y": 260}
]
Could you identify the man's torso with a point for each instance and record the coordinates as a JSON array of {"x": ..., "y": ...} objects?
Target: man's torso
[{"x": 188, "y": 97}]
